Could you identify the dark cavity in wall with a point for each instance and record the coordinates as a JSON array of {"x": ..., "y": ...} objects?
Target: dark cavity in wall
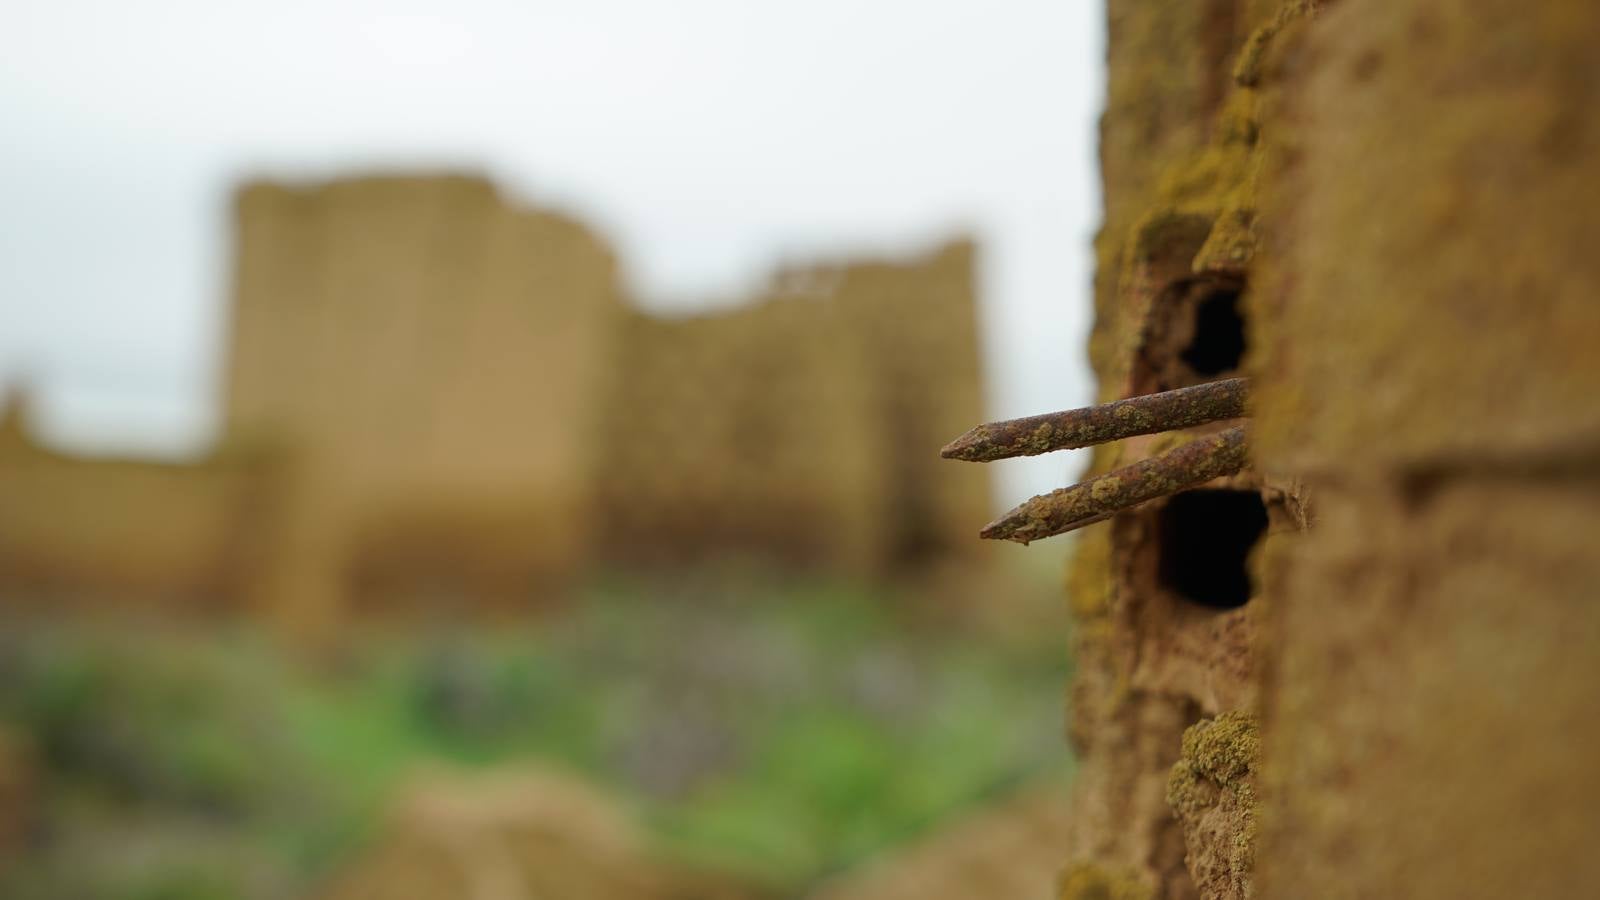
[
  {"x": 1218, "y": 344},
  {"x": 1206, "y": 539},
  {"x": 1195, "y": 331}
]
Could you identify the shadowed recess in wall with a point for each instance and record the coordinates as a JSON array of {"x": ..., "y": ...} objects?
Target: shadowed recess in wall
[{"x": 1219, "y": 340}]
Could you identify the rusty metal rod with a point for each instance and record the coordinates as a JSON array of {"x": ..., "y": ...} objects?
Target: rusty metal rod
[
  {"x": 1104, "y": 496},
  {"x": 1073, "y": 428}
]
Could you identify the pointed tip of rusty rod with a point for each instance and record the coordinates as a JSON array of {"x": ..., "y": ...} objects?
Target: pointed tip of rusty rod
[
  {"x": 1103, "y": 496},
  {"x": 1090, "y": 425},
  {"x": 966, "y": 446},
  {"x": 1005, "y": 528}
]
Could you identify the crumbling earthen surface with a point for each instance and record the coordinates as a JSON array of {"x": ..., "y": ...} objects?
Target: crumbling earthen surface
[
  {"x": 1182, "y": 147},
  {"x": 1402, "y": 194},
  {"x": 1122, "y": 827}
]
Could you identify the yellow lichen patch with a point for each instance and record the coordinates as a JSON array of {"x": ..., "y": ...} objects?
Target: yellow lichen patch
[
  {"x": 1105, "y": 489},
  {"x": 1158, "y": 232},
  {"x": 1224, "y": 749},
  {"x": 1087, "y": 881},
  {"x": 1232, "y": 243},
  {"x": 1248, "y": 71},
  {"x": 1042, "y": 435},
  {"x": 1187, "y": 791}
]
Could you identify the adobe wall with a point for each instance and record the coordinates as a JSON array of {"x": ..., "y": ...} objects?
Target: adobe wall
[
  {"x": 792, "y": 426},
  {"x": 458, "y": 407},
  {"x": 1383, "y": 197},
  {"x": 1434, "y": 291},
  {"x": 428, "y": 356},
  {"x": 1168, "y": 620},
  {"x": 120, "y": 535}
]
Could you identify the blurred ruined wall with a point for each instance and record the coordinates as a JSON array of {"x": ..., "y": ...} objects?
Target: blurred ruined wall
[
  {"x": 448, "y": 400},
  {"x": 159, "y": 535},
  {"x": 1372, "y": 208},
  {"x": 798, "y": 425},
  {"x": 428, "y": 356}
]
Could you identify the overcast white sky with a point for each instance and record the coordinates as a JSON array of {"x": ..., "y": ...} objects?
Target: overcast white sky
[{"x": 709, "y": 139}]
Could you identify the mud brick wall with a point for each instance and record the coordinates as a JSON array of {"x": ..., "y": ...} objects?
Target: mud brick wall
[
  {"x": 427, "y": 355},
  {"x": 1168, "y": 612},
  {"x": 796, "y": 426},
  {"x": 1434, "y": 297},
  {"x": 124, "y": 535},
  {"x": 440, "y": 402},
  {"x": 466, "y": 396},
  {"x": 1365, "y": 667},
  {"x": 467, "y": 391}
]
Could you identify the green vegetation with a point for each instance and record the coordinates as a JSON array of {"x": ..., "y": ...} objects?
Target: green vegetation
[{"x": 782, "y": 728}]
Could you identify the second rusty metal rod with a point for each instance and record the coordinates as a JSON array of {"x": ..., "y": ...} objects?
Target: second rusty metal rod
[
  {"x": 1106, "y": 495},
  {"x": 1073, "y": 428}
]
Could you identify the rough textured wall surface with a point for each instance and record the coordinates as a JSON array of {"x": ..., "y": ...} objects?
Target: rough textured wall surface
[
  {"x": 1168, "y": 613},
  {"x": 1383, "y": 216},
  {"x": 1433, "y": 307}
]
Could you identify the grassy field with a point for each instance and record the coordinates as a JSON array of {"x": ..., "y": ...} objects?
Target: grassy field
[{"x": 784, "y": 728}]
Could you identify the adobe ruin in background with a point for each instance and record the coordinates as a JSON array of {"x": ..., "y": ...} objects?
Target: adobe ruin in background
[{"x": 437, "y": 398}]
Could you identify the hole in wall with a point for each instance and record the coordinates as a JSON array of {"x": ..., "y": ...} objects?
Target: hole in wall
[
  {"x": 1196, "y": 331},
  {"x": 1206, "y": 539},
  {"x": 1218, "y": 344}
]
